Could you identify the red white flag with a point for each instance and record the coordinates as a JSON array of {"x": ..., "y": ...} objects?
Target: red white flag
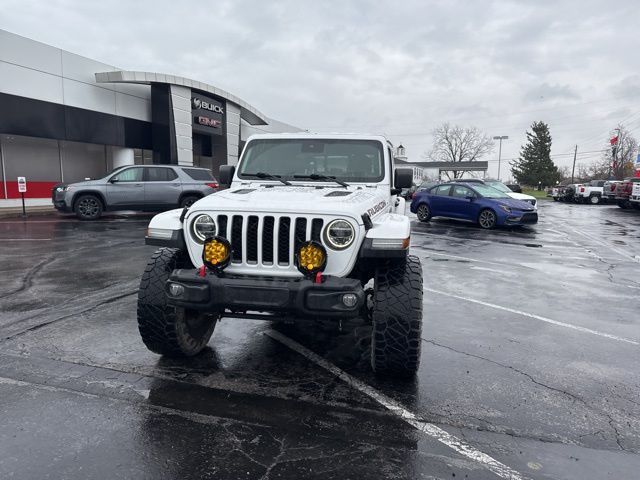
[{"x": 614, "y": 140}]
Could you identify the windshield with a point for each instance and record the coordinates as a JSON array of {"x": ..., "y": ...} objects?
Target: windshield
[
  {"x": 346, "y": 160},
  {"x": 489, "y": 192},
  {"x": 498, "y": 186}
]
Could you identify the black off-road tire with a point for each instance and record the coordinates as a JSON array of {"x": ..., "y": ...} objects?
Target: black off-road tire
[
  {"x": 88, "y": 207},
  {"x": 167, "y": 330},
  {"x": 188, "y": 200},
  {"x": 423, "y": 212},
  {"x": 624, "y": 204},
  {"x": 397, "y": 318}
]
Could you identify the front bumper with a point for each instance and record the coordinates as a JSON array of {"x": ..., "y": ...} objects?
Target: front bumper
[
  {"x": 528, "y": 218},
  {"x": 59, "y": 200},
  {"x": 287, "y": 297}
]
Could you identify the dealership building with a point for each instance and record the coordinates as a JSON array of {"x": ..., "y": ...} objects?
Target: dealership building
[{"x": 64, "y": 118}]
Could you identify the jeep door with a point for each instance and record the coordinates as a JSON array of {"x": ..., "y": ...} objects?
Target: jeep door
[
  {"x": 125, "y": 189},
  {"x": 162, "y": 188}
]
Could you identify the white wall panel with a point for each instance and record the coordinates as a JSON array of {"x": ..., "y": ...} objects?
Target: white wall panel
[
  {"x": 83, "y": 69},
  {"x": 29, "y": 53},
  {"x": 133, "y": 107},
  {"x": 25, "y": 82},
  {"x": 82, "y": 95},
  {"x": 141, "y": 91}
]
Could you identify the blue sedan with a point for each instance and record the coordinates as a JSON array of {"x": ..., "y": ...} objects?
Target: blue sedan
[{"x": 476, "y": 203}]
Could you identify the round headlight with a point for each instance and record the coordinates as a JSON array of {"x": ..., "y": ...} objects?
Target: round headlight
[
  {"x": 203, "y": 227},
  {"x": 339, "y": 234}
]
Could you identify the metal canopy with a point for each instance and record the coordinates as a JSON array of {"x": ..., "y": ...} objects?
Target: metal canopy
[
  {"x": 476, "y": 166},
  {"x": 248, "y": 113}
]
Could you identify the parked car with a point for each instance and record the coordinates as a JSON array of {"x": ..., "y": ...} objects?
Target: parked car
[
  {"x": 556, "y": 192},
  {"x": 514, "y": 187},
  {"x": 568, "y": 192},
  {"x": 609, "y": 190},
  {"x": 135, "y": 187},
  {"x": 426, "y": 185},
  {"x": 623, "y": 193},
  {"x": 518, "y": 195},
  {"x": 591, "y": 192},
  {"x": 283, "y": 246},
  {"x": 497, "y": 184},
  {"x": 634, "y": 199},
  {"x": 407, "y": 193},
  {"x": 473, "y": 202}
]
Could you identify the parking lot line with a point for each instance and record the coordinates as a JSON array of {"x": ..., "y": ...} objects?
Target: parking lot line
[
  {"x": 25, "y": 239},
  {"x": 622, "y": 253},
  {"x": 429, "y": 429},
  {"x": 537, "y": 317}
]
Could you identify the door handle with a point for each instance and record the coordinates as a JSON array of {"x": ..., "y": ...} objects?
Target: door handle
[{"x": 138, "y": 184}]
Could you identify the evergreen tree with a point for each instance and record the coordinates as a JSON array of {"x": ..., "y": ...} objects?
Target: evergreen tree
[{"x": 535, "y": 164}]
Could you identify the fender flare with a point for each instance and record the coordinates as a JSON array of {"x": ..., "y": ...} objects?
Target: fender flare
[
  {"x": 388, "y": 238},
  {"x": 171, "y": 221}
]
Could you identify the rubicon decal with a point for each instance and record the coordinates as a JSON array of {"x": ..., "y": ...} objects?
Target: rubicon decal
[{"x": 377, "y": 208}]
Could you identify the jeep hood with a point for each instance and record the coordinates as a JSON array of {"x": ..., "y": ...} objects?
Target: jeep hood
[{"x": 299, "y": 199}]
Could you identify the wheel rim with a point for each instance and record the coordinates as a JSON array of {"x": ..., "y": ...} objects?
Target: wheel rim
[
  {"x": 88, "y": 207},
  {"x": 423, "y": 212},
  {"x": 196, "y": 325},
  {"x": 487, "y": 219},
  {"x": 594, "y": 199}
]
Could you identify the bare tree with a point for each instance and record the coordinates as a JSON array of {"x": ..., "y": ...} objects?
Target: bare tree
[
  {"x": 619, "y": 159},
  {"x": 453, "y": 143},
  {"x": 565, "y": 173}
]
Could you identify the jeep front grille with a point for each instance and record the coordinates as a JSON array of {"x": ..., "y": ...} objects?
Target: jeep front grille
[{"x": 267, "y": 240}]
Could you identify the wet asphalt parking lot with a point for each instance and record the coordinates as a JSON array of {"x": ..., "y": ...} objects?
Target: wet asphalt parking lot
[{"x": 530, "y": 365}]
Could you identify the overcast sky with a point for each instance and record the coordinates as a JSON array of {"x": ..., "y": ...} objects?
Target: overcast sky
[{"x": 398, "y": 68}]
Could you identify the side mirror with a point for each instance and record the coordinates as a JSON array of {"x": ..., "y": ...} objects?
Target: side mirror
[
  {"x": 226, "y": 174},
  {"x": 403, "y": 178},
  {"x": 113, "y": 179},
  {"x": 471, "y": 198}
]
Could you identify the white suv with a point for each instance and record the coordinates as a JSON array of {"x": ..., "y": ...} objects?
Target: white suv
[{"x": 307, "y": 221}]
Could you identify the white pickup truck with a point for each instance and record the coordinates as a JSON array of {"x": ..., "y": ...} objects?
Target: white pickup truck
[
  {"x": 634, "y": 198},
  {"x": 591, "y": 192}
]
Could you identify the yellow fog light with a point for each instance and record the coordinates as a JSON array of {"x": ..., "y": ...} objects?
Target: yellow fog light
[
  {"x": 216, "y": 253},
  {"x": 311, "y": 258}
]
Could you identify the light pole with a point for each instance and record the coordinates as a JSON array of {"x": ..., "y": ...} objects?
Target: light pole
[{"x": 502, "y": 137}]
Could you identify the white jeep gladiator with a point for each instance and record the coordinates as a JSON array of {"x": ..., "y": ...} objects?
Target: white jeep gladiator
[{"x": 306, "y": 223}]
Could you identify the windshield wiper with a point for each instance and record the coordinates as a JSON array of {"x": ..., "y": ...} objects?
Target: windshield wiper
[
  {"x": 267, "y": 176},
  {"x": 317, "y": 176}
]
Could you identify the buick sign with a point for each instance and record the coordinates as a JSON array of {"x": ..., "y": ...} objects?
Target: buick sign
[{"x": 199, "y": 104}]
